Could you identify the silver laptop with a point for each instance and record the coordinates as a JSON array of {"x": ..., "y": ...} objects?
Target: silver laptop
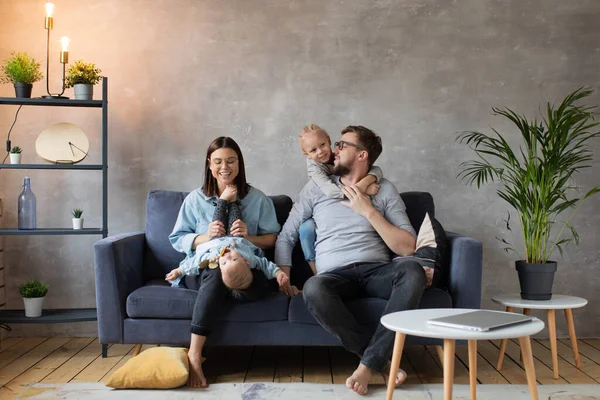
[{"x": 480, "y": 320}]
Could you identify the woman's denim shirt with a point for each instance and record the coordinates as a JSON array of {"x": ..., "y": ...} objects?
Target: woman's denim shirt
[{"x": 197, "y": 210}]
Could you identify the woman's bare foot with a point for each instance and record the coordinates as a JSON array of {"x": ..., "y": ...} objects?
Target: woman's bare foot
[
  {"x": 359, "y": 381},
  {"x": 229, "y": 194},
  {"x": 196, "y": 377}
]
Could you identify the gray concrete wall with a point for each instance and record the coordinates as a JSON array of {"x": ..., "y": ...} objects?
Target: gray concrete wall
[{"x": 183, "y": 72}]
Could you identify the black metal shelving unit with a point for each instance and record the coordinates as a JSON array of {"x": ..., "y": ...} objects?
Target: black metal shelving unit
[{"x": 71, "y": 314}]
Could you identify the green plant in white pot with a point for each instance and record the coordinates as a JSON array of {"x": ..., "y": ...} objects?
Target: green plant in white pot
[
  {"x": 33, "y": 293},
  {"x": 22, "y": 71},
  {"x": 536, "y": 179},
  {"x": 82, "y": 76},
  {"x": 15, "y": 155},
  {"x": 77, "y": 220}
]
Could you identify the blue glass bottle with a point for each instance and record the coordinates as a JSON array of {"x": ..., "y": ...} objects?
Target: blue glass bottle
[{"x": 27, "y": 205}]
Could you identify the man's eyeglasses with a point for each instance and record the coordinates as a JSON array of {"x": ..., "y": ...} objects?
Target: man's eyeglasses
[
  {"x": 228, "y": 161},
  {"x": 340, "y": 145}
]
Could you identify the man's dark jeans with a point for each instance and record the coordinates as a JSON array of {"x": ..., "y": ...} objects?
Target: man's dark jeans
[
  {"x": 212, "y": 293},
  {"x": 401, "y": 282}
]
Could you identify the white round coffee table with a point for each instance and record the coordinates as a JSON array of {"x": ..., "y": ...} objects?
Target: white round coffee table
[
  {"x": 414, "y": 322},
  {"x": 557, "y": 302}
]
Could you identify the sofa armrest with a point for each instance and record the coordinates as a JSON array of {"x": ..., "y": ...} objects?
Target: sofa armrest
[
  {"x": 465, "y": 271},
  {"x": 118, "y": 264}
]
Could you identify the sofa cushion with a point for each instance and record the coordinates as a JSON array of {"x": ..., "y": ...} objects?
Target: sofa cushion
[
  {"x": 369, "y": 310},
  {"x": 158, "y": 300},
  {"x": 417, "y": 204}
]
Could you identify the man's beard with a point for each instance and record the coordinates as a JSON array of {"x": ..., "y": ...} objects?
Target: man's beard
[{"x": 341, "y": 170}]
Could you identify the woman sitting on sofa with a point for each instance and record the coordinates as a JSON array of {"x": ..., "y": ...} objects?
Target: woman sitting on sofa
[{"x": 224, "y": 165}]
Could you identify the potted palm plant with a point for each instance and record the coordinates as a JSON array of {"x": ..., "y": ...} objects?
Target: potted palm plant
[
  {"x": 536, "y": 179},
  {"x": 33, "y": 293},
  {"x": 22, "y": 71},
  {"x": 82, "y": 77},
  {"x": 15, "y": 155}
]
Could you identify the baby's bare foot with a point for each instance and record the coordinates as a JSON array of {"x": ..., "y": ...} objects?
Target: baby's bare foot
[{"x": 229, "y": 194}]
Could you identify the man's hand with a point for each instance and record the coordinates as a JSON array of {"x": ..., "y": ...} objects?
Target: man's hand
[
  {"x": 281, "y": 277},
  {"x": 239, "y": 228},
  {"x": 358, "y": 201},
  {"x": 174, "y": 274},
  {"x": 288, "y": 289}
]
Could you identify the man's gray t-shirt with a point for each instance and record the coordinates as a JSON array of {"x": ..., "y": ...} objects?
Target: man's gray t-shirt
[{"x": 343, "y": 236}]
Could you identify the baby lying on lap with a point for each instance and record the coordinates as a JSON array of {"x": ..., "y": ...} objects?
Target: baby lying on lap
[{"x": 235, "y": 256}]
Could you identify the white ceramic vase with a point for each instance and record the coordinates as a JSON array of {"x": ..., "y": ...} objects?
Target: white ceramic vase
[
  {"x": 84, "y": 91},
  {"x": 33, "y": 306},
  {"x": 77, "y": 223},
  {"x": 15, "y": 158}
]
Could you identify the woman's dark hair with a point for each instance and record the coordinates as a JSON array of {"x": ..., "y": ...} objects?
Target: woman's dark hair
[{"x": 210, "y": 187}]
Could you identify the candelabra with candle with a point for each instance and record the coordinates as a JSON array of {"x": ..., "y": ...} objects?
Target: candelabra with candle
[{"x": 64, "y": 54}]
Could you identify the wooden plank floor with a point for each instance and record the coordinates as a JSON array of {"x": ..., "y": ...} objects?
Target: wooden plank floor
[{"x": 24, "y": 361}]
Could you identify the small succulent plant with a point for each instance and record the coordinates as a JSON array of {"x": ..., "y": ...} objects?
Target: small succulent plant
[
  {"x": 16, "y": 150},
  {"x": 77, "y": 212}
]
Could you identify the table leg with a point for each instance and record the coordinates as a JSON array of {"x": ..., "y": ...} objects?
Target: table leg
[
  {"x": 473, "y": 368},
  {"x": 502, "y": 346},
  {"x": 525, "y": 344},
  {"x": 396, "y": 356},
  {"x": 554, "y": 350},
  {"x": 571, "y": 325},
  {"x": 449, "y": 348},
  {"x": 526, "y": 311}
]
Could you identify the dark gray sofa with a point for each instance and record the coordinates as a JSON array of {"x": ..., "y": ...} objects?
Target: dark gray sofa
[{"x": 135, "y": 305}]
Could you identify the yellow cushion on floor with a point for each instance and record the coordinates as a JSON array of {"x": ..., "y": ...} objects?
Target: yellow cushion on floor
[{"x": 155, "y": 368}]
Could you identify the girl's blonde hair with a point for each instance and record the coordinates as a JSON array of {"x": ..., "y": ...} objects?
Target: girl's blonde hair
[{"x": 310, "y": 129}]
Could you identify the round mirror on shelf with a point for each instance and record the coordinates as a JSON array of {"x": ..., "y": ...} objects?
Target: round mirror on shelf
[{"x": 62, "y": 143}]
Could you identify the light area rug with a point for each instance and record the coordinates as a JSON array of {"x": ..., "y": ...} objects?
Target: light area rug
[{"x": 308, "y": 391}]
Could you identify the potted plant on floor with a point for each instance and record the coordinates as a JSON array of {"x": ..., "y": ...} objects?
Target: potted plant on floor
[
  {"x": 33, "y": 293},
  {"x": 536, "y": 179},
  {"x": 15, "y": 155},
  {"x": 77, "y": 220},
  {"x": 82, "y": 76},
  {"x": 22, "y": 71}
]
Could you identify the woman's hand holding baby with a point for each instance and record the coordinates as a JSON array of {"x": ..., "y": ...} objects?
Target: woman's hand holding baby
[
  {"x": 174, "y": 274},
  {"x": 239, "y": 228}
]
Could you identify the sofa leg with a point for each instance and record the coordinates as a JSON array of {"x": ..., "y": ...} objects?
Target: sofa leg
[
  {"x": 137, "y": 349},
  {"x": 104, "y": 350},
  {"x": 440, "y": 352}
]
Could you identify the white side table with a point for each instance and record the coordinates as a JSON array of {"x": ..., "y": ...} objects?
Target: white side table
[
  {"x": 557, "y": 302},
  {"x": 414, "y": 322}
]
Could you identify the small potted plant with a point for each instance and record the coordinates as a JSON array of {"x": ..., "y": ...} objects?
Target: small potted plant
[
  {"x": 15, "y": 155},
  {"x": 22, "y": 71},
  {"x": 82, "y": 76},
  {"x": 77, "y": 220},
  {"x": 33, "y": 293}
]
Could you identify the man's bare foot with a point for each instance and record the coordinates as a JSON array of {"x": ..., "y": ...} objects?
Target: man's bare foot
[
  {"x": 400, "y": 377},
  {"x": 359, "y": 381},
  {"x": 229, "y": 194},
  {"x": 196, "y": 377}
]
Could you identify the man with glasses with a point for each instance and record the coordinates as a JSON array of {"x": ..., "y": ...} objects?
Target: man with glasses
[{"x": 356, "y": 240}]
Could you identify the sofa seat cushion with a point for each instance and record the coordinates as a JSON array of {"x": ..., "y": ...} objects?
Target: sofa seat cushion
[
  {"x": 158, "y": 300},
  {"x": 369, "y": 310}
]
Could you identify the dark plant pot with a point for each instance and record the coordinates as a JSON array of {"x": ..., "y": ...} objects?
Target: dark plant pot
[
  {"x": 23, "y": 90},
  {"x": 536, "y": 280}
]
